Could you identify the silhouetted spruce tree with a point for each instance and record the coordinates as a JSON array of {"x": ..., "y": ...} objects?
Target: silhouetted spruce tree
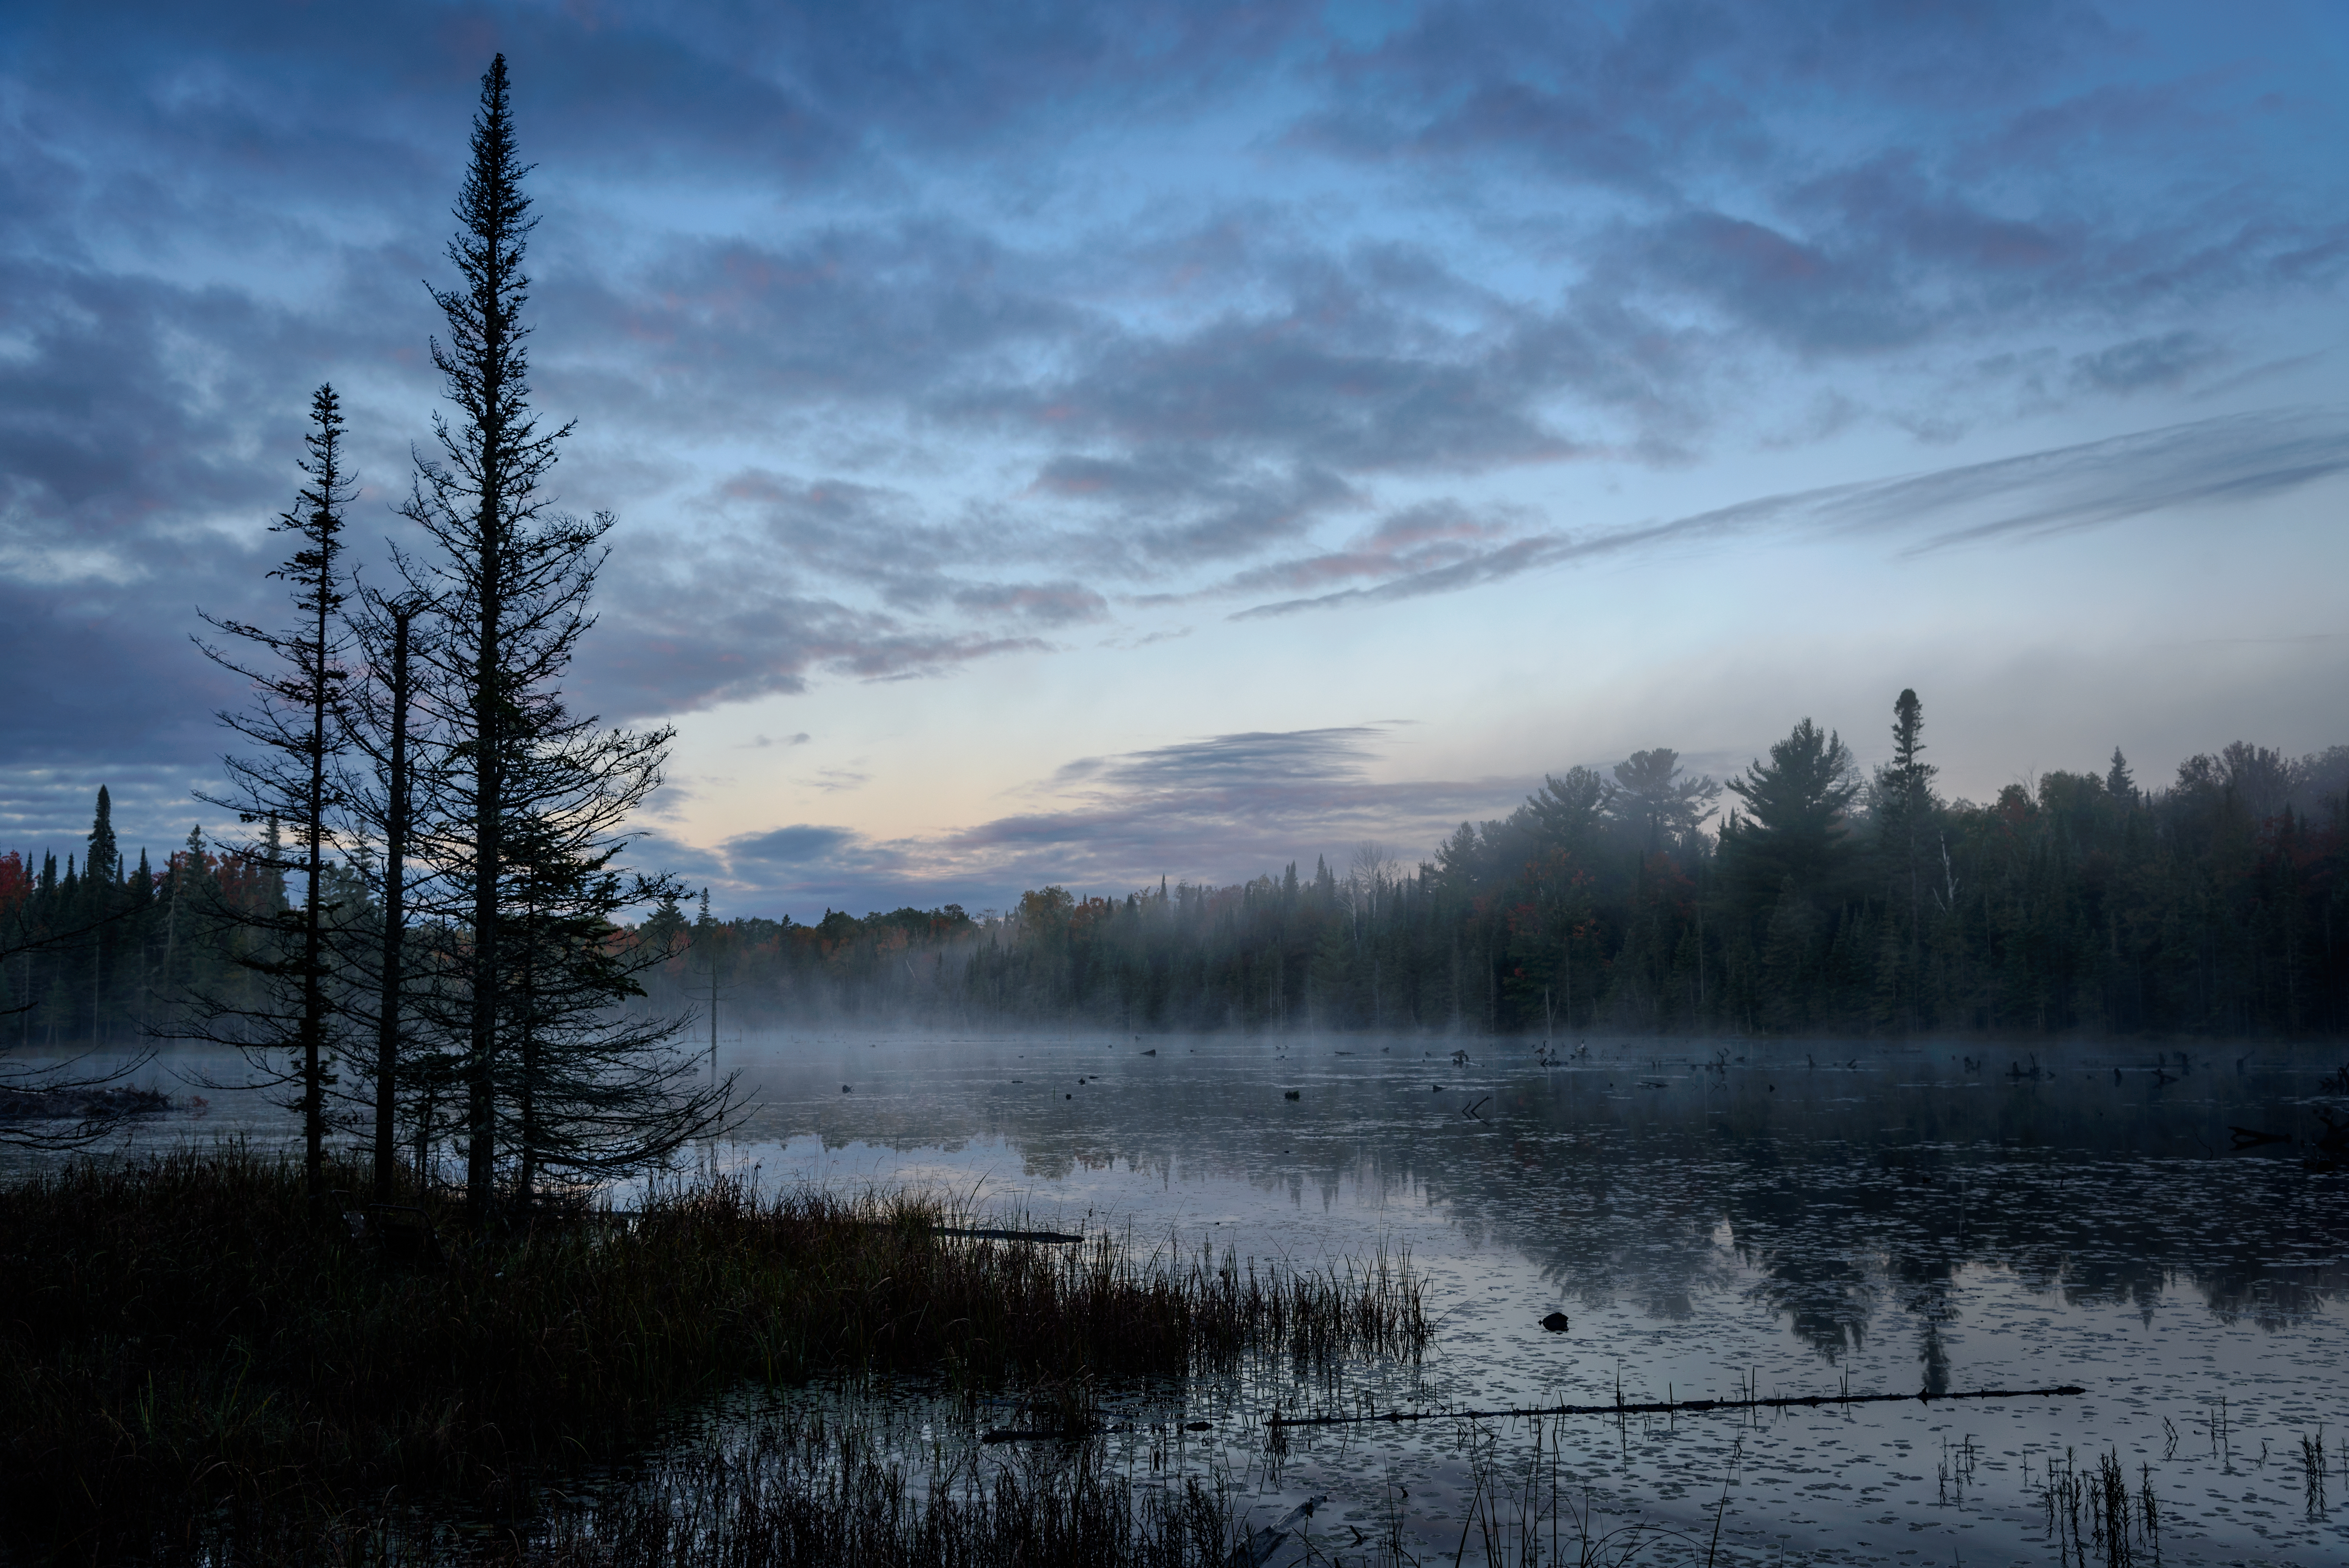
[
  {"x": 297, "y": 726},
  {"x": 1903, "y": 797},
  {"x": 530, "y": 799},
  {"x": 709, "y": 942},
  {"x": 2118, "y": 781},
  {"x": 381, "y": 800},
  {"x": 586, "y": 1089},
  {"x": 105, "y": 856},
  {"x": 101, "y": 905}
]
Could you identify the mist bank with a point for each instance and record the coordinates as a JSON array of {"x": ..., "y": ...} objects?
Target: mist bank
[
  {"x": 1801, "y": 897},
  {"x": 1798, "y": 898}
]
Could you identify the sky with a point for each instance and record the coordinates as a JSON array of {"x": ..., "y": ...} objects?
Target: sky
[{"x": 1083, "y": 444}]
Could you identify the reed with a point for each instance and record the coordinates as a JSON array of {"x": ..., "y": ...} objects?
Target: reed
[
  {"x": 2117, "y": 1525},
  {"x": 187, "y": 1341},
  {"x": 817, "y": 1489}
]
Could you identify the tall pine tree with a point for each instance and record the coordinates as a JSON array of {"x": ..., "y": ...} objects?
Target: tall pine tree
[
  {"x": 530, "y": 799},
  {"x": 297, "y": 726}
]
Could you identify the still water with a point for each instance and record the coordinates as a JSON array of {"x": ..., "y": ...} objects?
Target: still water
[{"x": 1712, "y": 1219}]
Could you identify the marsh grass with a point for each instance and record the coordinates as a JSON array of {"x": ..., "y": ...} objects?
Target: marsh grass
[
  {"x": 188, "y": 1347},
  {"x": 2117, "y": 1525},
  {"x": 822, "y": 1488},
  {"x": 845, "y": 1481}
]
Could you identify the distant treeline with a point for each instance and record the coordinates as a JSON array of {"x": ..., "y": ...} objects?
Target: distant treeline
[
  {"x": 107, "y": 954},
  {"x": 1818, "y": 902}
]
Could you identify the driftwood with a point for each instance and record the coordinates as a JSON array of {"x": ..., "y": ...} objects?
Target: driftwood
[
  {"x": 2336, "y": 1133},
  {"x": 1069, "y": 1434},
  {"x": 1673, "y": 1407},
  {"x": 1258, "y": 1547},
  {"x": 1042, "y": 1435},
  {"x": 87, "y": 1102},
  {"x": 1050, "y": 1238}
]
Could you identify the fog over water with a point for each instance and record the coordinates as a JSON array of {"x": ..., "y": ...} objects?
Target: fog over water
[{"x": 1796, "y": 1217}]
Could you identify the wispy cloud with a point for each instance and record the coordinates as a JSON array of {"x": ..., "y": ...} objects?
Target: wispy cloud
[
  {"x": 1220, "y": 808},
  {"x": 834, "y": 780},
  {"x": 906, "y": 338},
  {"x": 2084, "y": 486}
]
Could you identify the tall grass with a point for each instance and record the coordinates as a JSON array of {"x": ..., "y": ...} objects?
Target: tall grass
[
  {"x": 811, "y": 1486},
  {"x": 186, "y": 1343},
  {"x": 821, "y": 1491}
]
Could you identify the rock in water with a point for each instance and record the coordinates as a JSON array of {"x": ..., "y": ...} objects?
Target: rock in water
[{"x": 1555, "y": 1322}]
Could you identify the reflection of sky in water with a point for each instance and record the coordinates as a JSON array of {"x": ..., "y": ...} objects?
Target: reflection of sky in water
[{"x": 1905, "y": 1223}]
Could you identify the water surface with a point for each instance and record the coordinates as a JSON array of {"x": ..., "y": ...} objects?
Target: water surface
[
  {"x": 1713, "y": 1219},
  {"x": 1786, "y": 1218}
]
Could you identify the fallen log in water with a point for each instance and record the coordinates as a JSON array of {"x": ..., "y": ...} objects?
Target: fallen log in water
[
  {"x": 1673, "y": 1407},
  {"x": 1050, "y": 1238}
]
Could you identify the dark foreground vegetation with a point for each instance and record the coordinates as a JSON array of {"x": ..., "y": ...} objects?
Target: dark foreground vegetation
[
  {"x": 815, "y": 1491},
  {"x": 195, "y": 1360}
]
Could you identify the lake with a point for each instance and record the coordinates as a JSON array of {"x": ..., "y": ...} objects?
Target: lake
[{"x": 1713, "y": 1218}]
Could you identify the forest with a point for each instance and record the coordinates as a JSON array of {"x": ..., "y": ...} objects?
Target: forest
[
  {"x": 1802, "y": 898},
  {"x": 1817, "y": 903}
]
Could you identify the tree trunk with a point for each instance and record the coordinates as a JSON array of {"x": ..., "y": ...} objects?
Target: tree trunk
[{"x": 395, "y": 914}]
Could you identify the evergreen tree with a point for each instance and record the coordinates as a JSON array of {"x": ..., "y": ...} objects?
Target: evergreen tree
[
  {"x": 530, "y": 799},
  {"x": 100, "y": 904},
  {"x": 297, "y": 724},
  {"x": 706, "y": 939},
  {"x": 1565, "y": 810},
  {"x": 660, "y": 929},
  {"x": 381, "y": 798},
  {"x": 2119, "y": 782},
  {"x": 1904, "y": 803},
  {"x": 1793, "y": 828},
  {"x": 1660, "y": 804},
  {"x": 105, "y": 862}
]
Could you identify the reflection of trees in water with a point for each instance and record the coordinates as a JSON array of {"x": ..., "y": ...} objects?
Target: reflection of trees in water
[
  {"x": 1921, "y": 1283},
  {"x": 2269, "y": 1294},
  {"x": 1602, "y": 1220},
  {"x": 1847, "y": 1195},
  {"x": 1826, "y": 1299},
  {"x": 1882, "y": 1203}
]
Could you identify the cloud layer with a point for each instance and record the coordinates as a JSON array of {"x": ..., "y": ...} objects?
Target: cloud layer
[
  {"x": 1218, "y": 808},
  {"x": 915, "y": 338}
]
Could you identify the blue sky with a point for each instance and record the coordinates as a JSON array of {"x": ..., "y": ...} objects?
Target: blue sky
[{"x": 1083, "y": 443}]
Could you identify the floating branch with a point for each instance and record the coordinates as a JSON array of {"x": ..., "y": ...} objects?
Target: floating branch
[
  {"x": 1050, "y": 1238},
  {"x": 1672, "y": 1407}
]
